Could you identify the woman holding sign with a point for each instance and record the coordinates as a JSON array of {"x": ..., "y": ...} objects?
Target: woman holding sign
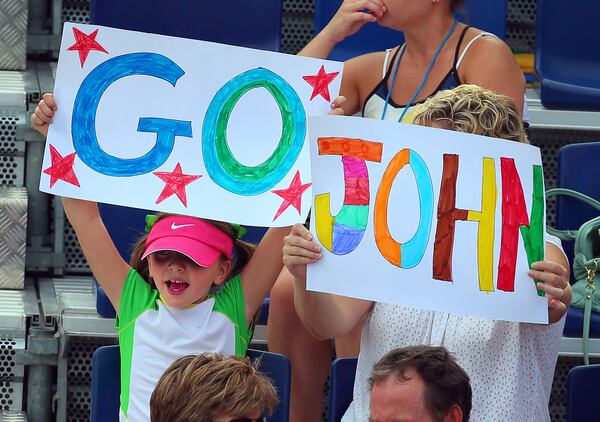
[
  {"x": 439, "y": 53},
  {"x": 510, "y": 364}
]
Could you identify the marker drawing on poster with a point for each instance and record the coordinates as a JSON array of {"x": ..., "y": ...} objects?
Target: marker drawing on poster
[
  {"x": 427, "y": 218},
  {"x": 184, "y": 126}
]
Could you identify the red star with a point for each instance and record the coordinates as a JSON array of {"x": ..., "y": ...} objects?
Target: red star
[
  {"x": 61, "y": 168},
  {"x": 320, "y": 83},
  {"x": 84, "y": 43},
  {"x": 292, "y": 195},
  {"x": 176, "y": 182}
]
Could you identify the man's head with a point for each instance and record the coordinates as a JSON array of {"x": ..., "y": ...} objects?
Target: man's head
[
  {"x": 419, "y": 383},
  {"x": 209, "y": 388},
  {"x": 472, "y": 109}
]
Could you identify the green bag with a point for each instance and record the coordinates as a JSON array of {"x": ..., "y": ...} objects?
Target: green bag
[{"x": 586, "y": 262}]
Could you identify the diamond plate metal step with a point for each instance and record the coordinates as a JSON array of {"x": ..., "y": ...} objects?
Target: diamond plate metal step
[
  {"x": 13, "y": 34},
  {"x": 13, "y": 230}
]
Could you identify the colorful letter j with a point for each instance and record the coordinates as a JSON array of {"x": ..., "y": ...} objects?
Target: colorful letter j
[{"x": 342, "y": 233}]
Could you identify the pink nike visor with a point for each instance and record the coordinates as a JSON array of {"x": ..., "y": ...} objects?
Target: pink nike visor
[{"x": 200, "y": 241}]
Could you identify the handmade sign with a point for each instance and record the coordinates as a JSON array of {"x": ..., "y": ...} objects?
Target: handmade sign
[
  {"x": 427, "y": 218},
  {"x": 184, "y": 126}
]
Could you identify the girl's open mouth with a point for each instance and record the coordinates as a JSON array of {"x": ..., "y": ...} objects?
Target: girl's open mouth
[{"x": 176, "y": 287}]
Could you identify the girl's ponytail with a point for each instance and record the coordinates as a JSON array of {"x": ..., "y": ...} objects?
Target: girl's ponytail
[
  {"x": 137, "y": 263},
  {"x": 242, "y": 252}
]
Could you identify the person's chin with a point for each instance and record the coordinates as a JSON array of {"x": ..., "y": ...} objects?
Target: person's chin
[
  {"x": 385, "y": 24},
  {"x": 177, "y": 302}
]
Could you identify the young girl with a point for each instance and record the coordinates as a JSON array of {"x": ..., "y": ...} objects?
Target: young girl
[
  {"x": 192, "y": 287},
  {"x": 439, "y": 53},
  {"x": 511, "y": 365}
]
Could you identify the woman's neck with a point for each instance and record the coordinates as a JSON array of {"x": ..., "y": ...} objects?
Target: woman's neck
[{"x": 423, "y": 38}]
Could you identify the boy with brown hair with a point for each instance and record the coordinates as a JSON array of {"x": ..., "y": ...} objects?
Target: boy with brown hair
[{"x": 212, "y": 388}]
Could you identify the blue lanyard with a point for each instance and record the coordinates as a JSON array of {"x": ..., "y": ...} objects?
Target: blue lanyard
[{"x": 435, "y": 56}]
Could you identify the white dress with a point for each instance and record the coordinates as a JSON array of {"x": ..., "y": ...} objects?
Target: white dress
[{"x": 511, "y": 365}]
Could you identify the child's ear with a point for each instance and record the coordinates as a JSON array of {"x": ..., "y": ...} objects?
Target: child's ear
[{"x": 224, "y": 268}]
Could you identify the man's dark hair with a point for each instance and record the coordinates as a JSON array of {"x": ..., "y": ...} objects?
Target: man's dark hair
[{"x": 446, "y": 383}]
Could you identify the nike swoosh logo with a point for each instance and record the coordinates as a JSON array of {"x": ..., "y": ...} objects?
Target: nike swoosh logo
[{"x": 178, "y": 226}]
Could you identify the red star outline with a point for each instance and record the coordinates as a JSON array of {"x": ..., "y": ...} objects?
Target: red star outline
[
  {"x": 320, "y": 83},
  {"x": 61, "y": 168},
  {"x": 175, "y": 183},
  {"x": 84, "y": 43},
  {"x": 292, "y": 195}
]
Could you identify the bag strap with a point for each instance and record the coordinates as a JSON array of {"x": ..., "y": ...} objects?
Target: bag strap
[
  {"x": 590, "y": 291},
  {"x": 587, "y": 315},
  {"x": 569, "y": 234}
]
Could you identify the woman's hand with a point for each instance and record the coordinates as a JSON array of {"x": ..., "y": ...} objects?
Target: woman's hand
[
  {"x": 299, "y": 249},
  {"x": 553, "y": 280},
  {"x": 351, "y": 16},
  {"x": 43, "y": 114}
]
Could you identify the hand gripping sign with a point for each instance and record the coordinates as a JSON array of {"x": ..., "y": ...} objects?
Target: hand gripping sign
[{"x": 184, "y": 126}]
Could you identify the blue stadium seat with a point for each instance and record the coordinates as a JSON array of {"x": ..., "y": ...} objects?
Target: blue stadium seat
[
  {"x": 254, "y": 235},
  {"x": 489, "y": 15},
  {"x": 566, "y": 54},
  {"x": 575, "y": 172},
  {"x": 183, "y": 19},
  {"x": 278, "y": 368},
  {"x": 263, "y": 315},
  {"x": 341, "y": 387},
  {"x": 106, "y": 385},
  {"x": 254, "y": 24},
  {"x": 582, "y": 384}
]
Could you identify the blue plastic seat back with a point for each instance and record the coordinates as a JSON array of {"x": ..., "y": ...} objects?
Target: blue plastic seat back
[
  {"x": 254, "y": 235},
  {"x": 106, "y": 384},
  {"x": 489, "y": 15},
  {"x": 277, "y": 367},
  {"x": 341, "y": 387},
  {"x": 566, "y": 53},
  {"x": 574, "y": 323},
  {"x": 582, "y": 385},
  {"x": 125, "y": 226},
  {"x": 255, "y": 24},
  {"x": 577, "y": 170}
]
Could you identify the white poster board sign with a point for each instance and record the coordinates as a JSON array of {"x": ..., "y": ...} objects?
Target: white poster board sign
[
  {"x": 184, "y": 126},
  {"x": 427, "y": 218}
]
